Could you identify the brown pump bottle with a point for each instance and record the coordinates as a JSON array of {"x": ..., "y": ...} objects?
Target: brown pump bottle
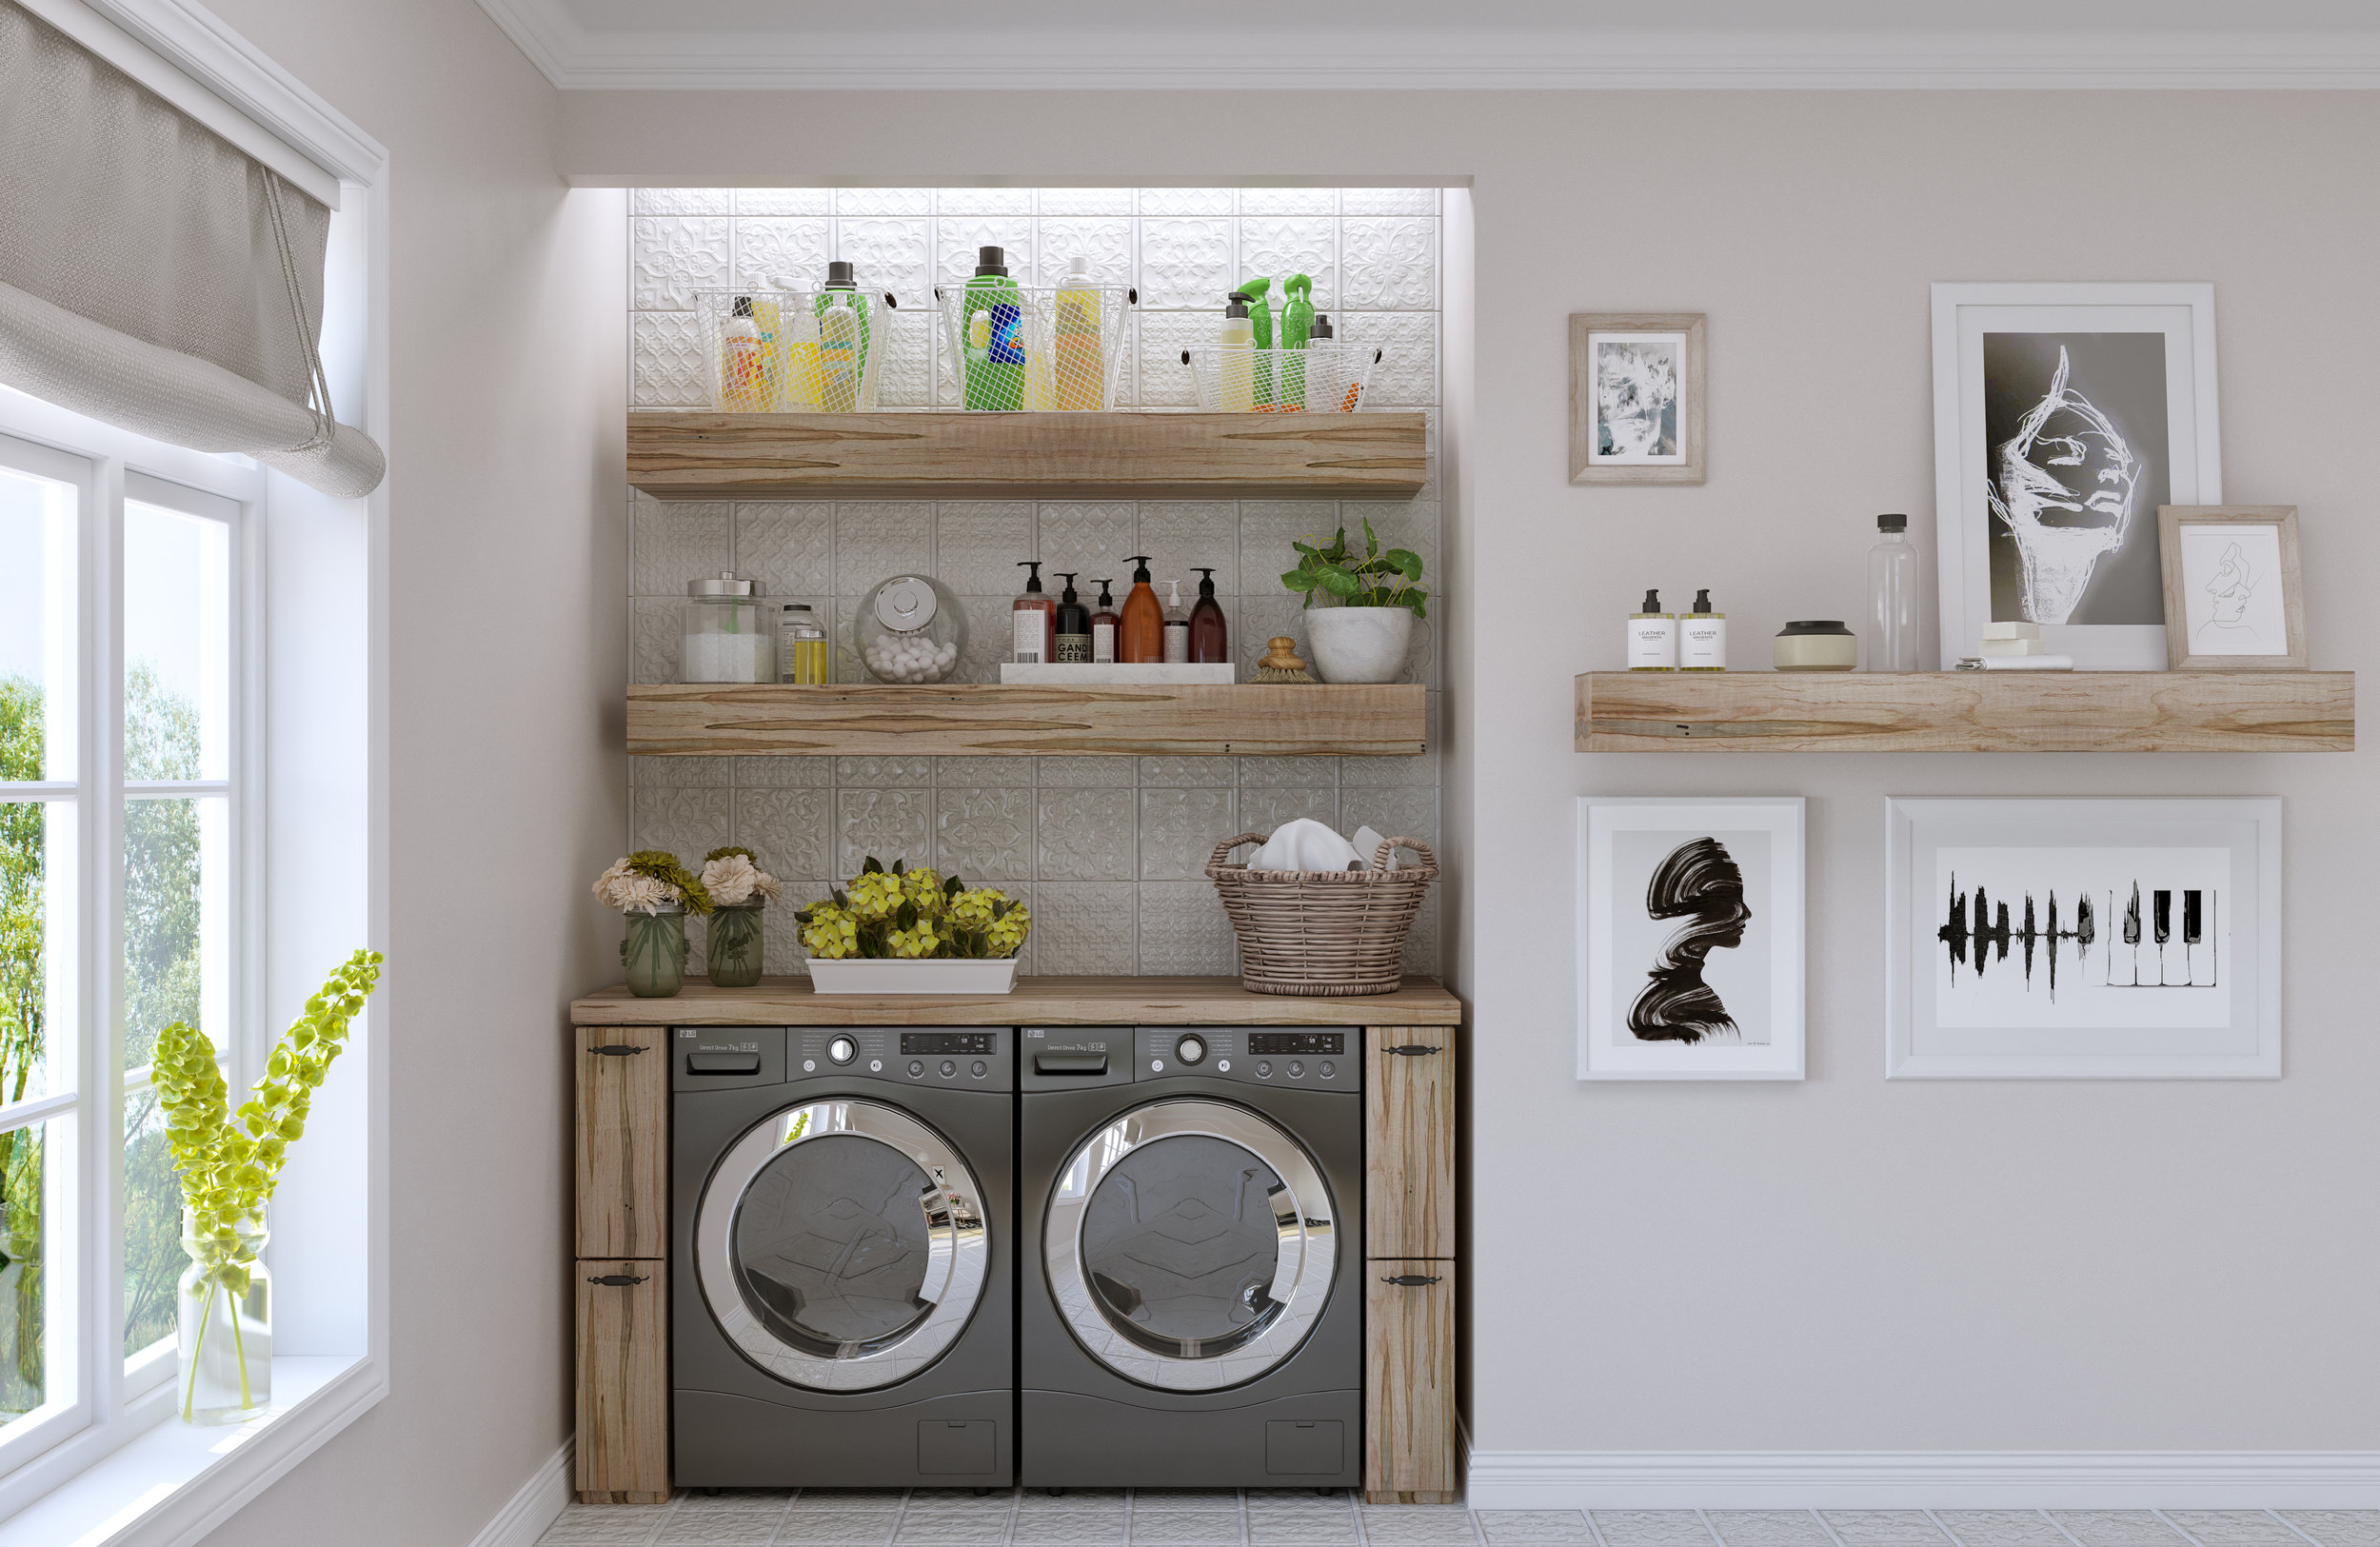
[{"x": 1141, "y": 641}]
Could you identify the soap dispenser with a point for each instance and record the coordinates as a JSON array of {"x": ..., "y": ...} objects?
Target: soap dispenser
[
  {"x": 1074, "y": 625},
  {"x": 1209, "y": 632},
  {"x": 1035, "y": 617},
  {"x": 1141, "y": 642},
  {"x": 1652, "y": 637},
  {"x": 1176, "y": 627},
  {"x": 1103, "y": 625},
  {"x": 1702, "y": 636}
]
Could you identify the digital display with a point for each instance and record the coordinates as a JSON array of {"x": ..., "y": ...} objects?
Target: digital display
[
  {"x": 1261, "y": 1043},
  {"x": 948, "y": 1041}
]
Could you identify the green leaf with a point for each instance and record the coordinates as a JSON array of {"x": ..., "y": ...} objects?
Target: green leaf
[
  {"x": 1370, "y": 539},
  {"x": 870, "y": 867},
  {"x": 1405, "y": 562},
  {"x": 1339, "y": 583},
  {"x": 1298, "y": 580},
  {"x": 953, "y": 886}
]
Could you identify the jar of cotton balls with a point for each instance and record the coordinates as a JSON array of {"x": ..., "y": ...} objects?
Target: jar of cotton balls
[{"x": 910, "y": 630}]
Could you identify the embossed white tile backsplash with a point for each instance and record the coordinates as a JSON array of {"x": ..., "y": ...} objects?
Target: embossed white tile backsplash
[{"x": 1108, "y": 852}]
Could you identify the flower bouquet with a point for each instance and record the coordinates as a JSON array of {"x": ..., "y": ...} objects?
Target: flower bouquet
[
  {"x": 739, "y": 890},
  {"x": 655, "y": 893},
  {"x": 909, "y": 931}
]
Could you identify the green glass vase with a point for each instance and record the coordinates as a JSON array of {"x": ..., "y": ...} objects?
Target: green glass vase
[
  {"x": 733, "y": 946},
  {"x": 654, "y": 953}
]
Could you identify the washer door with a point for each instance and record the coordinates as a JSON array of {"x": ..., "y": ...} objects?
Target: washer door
[
  {"x": 1189, "y": 1244},
  {"x": 840, "y": 1245}
]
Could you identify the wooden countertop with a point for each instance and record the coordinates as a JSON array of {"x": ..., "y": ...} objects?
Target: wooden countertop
[{"x": 1050, "y": 1002}]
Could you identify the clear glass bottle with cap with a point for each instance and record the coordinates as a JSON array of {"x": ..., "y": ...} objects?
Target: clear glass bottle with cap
[
  {"x": 1892, "y": 597},
  {"x": 910, "y": 630},
  {"x": 802, "y": 654},
  {"x": 728, "y": 637}
]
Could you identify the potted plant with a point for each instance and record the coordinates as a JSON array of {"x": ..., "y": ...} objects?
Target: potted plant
[
  {"x": 739, "y": 890},
  {"x": 655, "y": 893},
  {"x": 1364, "y": 637},
  {"x": 909, "y": 931}
]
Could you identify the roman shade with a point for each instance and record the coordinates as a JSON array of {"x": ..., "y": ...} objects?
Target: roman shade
[{"x": 156, "y": 277}]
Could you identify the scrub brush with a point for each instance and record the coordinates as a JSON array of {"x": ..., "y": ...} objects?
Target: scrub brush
[{"x": 1281, "y": 663}]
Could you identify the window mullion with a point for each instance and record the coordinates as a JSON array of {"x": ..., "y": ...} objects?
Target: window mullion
[{"x": 103, "y": 1085}]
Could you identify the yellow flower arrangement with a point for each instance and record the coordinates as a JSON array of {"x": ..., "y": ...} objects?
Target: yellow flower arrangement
[{"x": 917, "y": 915}]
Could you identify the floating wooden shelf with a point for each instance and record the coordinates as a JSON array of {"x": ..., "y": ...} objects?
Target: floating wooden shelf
[
  {"x": 777, "y": 456},
  {"x": 1966, "y": 711},
  {"x": 1019, "y": 720}
]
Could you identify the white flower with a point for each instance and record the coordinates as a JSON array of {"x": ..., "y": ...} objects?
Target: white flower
[
  {"x": 733, "y": 880},
  {"x": 620, "y": 887}
]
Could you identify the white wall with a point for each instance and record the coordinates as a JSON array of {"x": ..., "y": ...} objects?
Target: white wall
[
  {"x": 1840, "y": 1263},
  {"x": 506, "y": 785}
]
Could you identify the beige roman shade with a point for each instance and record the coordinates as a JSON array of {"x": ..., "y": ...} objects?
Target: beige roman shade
[{"x": 154, "y": 276}]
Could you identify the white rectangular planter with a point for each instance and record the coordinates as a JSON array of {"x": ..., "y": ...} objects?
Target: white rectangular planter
[{"x": 861, "y": 975}]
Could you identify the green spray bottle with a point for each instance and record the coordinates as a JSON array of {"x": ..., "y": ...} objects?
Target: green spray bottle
[
  {"x": 1261, "y": 323},
  {"x": 1297, "y": 326}
]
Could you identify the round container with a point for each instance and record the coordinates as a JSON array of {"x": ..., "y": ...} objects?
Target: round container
[
  {"x": 1816, "y": 644},
  {"x": 909, "y": 630},
  {"x": 730, "y": 636},
  {"x": 802, "y": 654}
]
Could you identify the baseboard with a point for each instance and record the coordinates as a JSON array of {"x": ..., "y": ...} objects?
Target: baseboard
[
  {"x": 538, "y": 1504},
  {"x": 1917, "y": 1479}
]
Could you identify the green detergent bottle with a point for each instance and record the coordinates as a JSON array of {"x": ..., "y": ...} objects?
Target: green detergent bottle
[
  {"x": 992, "y": 335},
  {"x": 842, "y": 290},
  {"x": 1297, "y": 327},
  {"x": 1260, "y": 320}
]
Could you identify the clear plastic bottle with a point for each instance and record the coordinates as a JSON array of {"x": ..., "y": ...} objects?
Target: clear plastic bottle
[{"x": 1892, "y": 597}]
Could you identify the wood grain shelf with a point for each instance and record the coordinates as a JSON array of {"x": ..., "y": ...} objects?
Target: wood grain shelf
[
  {"x": 1048, "y": 1002},
  {"x": 776, "y": 456},
  {"x": 1026, "y": 720},
  {"x": 1966, "y": 711}
]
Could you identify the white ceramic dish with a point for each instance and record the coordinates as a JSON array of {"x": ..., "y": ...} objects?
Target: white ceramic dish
[{"x": 863, "y": 974}]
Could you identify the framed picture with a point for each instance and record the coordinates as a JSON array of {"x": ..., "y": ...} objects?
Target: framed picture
[
  {"x": 2232, "y": 599},
  {"x": 2083, "y": 939},
  {"x": 2064, "y": 415},
  {"x": 1690, "y": 956},
  {"x": 1636, "y": 397}
]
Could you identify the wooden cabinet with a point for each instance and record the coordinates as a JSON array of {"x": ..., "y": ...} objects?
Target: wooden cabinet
[
  {"x": 1409, "y": 1141},
  {"x": 1409, "y": 1271},
  {"x": 622, "y": 1149},
  {"x": 621, "y": 1269}
]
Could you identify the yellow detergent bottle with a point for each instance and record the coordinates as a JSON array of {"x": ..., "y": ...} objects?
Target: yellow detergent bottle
[{"x": 1080, "y": 361}]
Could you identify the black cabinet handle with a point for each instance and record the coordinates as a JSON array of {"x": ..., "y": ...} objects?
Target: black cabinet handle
[
  {"x": 1409, "y": 1050},
  {"x": 615, "y": 1050},
  {"x": 622, "y": 1280},
  {"x": 1409, "y": 1280}
]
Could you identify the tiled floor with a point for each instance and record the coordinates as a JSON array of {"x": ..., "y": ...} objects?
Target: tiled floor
[{"x": 1188, "y": 1517}]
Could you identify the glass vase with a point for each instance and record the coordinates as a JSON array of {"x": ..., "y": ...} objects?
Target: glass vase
[
  {"x": 733, "y": 946},
  {"x": 226, "y": 1305},
  {"x": 654, "y": 953}
]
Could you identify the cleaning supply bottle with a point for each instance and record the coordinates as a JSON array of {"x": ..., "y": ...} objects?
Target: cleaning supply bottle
[
  {"x": 1702, "y": 636},
  {"x": 1105, "y": 625},
  {"x": 742, "y": 380},
  {"x": 841, "y": 351},
  {"x": 995, "y": 345},
  {"x": 1296, "y": 329},
  {"x": 1177, "y": 626},
  {"x": 1073, "y": 623},
  {"x": 1652, "y": 637},
  {"x": 1035, "y": 619},
  {"x": 1209, "y": 632},
  {"x": 1081, "y": 362},
  {"x": 801, "y": 384},
  {"x": 1234, "y": 365},
  {"x": 1323, "y": 335},
  {"x": 841, "y": 286},
  {"x": 1261, "y": 329},
  {"x": 1142, "y": 639}
]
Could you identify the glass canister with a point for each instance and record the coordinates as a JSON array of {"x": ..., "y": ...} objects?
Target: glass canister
[
  {"x": 910, "y": 630},
  {"x": 729, "y": 636},
  {"x": 801, "y": 646}
]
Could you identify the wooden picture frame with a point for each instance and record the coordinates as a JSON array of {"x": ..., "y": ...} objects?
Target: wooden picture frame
[
  {"x": 1677, "y": 344},
  {"x": 2195, "y": 614}
]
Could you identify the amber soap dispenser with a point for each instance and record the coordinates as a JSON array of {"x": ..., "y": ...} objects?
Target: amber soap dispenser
[
  {"x": 1142, "y": 640},
  {"x": 1210, "y": 640}
]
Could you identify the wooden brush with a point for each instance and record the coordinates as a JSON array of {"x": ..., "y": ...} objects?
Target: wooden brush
[{"x": 1281, "y": 663}]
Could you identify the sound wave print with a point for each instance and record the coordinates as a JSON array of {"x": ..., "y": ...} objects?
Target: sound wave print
[{"x": 1980, "y": 928}]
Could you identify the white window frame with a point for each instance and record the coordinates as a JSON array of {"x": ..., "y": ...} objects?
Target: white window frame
[{"x": 124, "y": 1475}]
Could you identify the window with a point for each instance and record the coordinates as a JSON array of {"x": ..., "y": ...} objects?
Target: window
[{"x": 122, "y": 886}]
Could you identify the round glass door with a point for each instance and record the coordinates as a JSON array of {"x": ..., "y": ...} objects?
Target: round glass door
[
  {"x": 1190, "y": 1245},
  {"x": 840, "y": 1245}
]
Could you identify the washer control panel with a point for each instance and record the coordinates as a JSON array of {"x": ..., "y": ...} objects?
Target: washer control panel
[
  {"x": 958, "y": 1058},
  {"x": 1291, "y": 1057}
]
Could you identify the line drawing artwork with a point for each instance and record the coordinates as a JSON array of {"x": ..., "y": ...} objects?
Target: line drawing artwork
[
  {"x": 2227, "y": 631},
  {"x": 2064, "y": 486},
  {"x": 2179, "y": 946},
  {"x": 1700, "y": 881},
  {"x": 1636, "y": 399}
]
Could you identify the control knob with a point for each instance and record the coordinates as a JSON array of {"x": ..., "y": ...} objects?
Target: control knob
[
  {"x": 1191, "y": 1049},
  {"x": 842, "y": 1050}
]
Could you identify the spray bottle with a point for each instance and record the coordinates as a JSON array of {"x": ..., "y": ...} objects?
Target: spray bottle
[
  {"x": 1297, "y": 327},
  {"x": 1261, "y": 329}
]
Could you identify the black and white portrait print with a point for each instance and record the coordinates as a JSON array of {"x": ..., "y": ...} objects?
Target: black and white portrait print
[
  {"x": 2077, "y": 463},
  {"x": 1694, "y": 956},
  {"x": 1638, "y": 381}
]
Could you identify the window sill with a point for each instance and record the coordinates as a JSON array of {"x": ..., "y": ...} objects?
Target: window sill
[{"x": 176, "y": 1481}]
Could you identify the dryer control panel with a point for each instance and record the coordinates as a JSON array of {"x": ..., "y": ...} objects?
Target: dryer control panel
[
  {"x": 1300, "y": 1057},
  {"x": 951, "y": 1057}
]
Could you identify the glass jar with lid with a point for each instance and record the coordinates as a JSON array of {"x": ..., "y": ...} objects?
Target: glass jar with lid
[
  {"x": 728, "y": 637},
  {"x": 910, "y": 630},
  {"x": 801, "y": 646}
]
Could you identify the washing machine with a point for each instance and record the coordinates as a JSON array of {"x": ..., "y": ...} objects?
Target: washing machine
[
  {"x": 1190, "y": 1300},
  {"x": 844, "y": 1256}
]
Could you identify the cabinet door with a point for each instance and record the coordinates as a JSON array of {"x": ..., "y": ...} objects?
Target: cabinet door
[
  {"x": 1408, "y": 1382},
  {"x": 624, "y": 1140},
  {"x": 623, "y": 1382},
  {"x": 1409, "y": 1139}
]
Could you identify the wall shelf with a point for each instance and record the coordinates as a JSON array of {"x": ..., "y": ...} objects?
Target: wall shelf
[
  {"x": 1966, "y": 711},
  {"x": 1002, "y": 719},
  {"x": 776, "y": 456}
]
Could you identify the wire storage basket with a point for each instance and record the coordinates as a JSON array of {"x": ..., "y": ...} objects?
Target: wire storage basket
[
  {"x": 1321, "y": 378},
  {"x": 1322, "y": 934},
  {"x": 1036, "y": 347},
  {"x": 796, "y": 352}
]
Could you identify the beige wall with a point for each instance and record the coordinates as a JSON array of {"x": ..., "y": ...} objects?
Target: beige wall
[
  {"x": 506, "y": 785},
  {"x": 1842, "y": 1263}
]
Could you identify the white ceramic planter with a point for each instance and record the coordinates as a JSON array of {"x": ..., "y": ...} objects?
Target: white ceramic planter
[
  {"x": 1358, "y": 644},
  {"x": 861, "y": 975}
]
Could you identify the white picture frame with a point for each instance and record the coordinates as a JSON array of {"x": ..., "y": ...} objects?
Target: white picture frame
[
  {"x": 1666, "y": 995},
  {"x": 1985, "y": 902},
  {"x": 2178, "y": 459}
]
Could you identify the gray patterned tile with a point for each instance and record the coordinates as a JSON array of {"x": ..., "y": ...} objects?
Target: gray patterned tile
[
  {"x": 687, "y": 822},
  {"x": 1085, "y": 835},
  {"x": 1076, "y": 928},
  {"x": 1186, "y": 773},
  {"x": 784, "y": 200},
  {"x": 847, "y": 1500},
  {"x": 991, "y": 637},
  {"x": 2112, "y": 1528},
  {"x": 1159, "y": 338},
  {"x": 837, "y": 1528},
  {"x": 589, "y": 1528},
  {"x": 1502, "y": 1526},
  {"x": 1288, "y": 201},
  {"x": 1068, "y": 1530},
  {"x": 1269, "y": 530},
  {"x": 870, "y": 771},
  {"x": 673, "y": 542},
  {"x": 1876, "y": 1528},
  {"x": 1101, "y": 1503},
  {"x": 1185, "y": 930},
  {"x": 673, "y": 256},
  {"x": 983, "y": 773},
  {"x": 792, "y": 830},
  {"x": 1186, "y": 264},
  {"x": 2234, "y": 1528},
  {"x": 884, "y": 201},
  {"x": 929, "y": 1528},
  {"x": 1300, "y": 1531},
  {"x": 787, "y": 547},
  {"x": 1642, "y": 1528},
  {"x": 1086, "y": 201},
  {"x": 888, "y": 255},
  {"x": 680, "y": 201},
  {"x": 958, "y": 239},
  {"x": 1407, "y": 374},
  {"x": 1185, "y": 1530},
  {"x": 783, "y": 773},
  {"x": 2338, "y": 1528},
  {"x": 679, "y": 773},
  {"x": 1319, "y": 772},
  {"x": 1262, "y": 618},
  {"x": 1084, "y": 773},
  {"x": 983, "y": 833},
  {"x": 1769, "y": 1528},
  {"x": 1392, "y": 813},
  {"x": 1106, "y": 243},
  {"x": 1388, "y": 201},
  {"x": 725, "y": 1528},
  {"x": 1178, "y": 1499},
  {"x": 1418, "y": 1525},
  {"x": 878, "y": 539},
  {"x": 2002, "y": 1527},
  {"x": 779, "y": 252},
  {"x": 656, "y": 639},
  {"x": 1280, "y": 245},
  {"x": 977, "y": 547},
  {"x": 1389, "y": 263},
  {"x": 887, "y": 824},
  {"x": 668, "y": 365},
  {"x": 1420, "y": 771},
  {"x": 1187, "y": 201},
  {"x": 1092, "y": 537},
  {"x": 1181, "y": 535},
  {"x": 983, "y": 201},
  {"x": 1180, "y": 829},
  {"x": 1263, "y": 810}
]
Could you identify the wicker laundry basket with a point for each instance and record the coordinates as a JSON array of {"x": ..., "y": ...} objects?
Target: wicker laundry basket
[{"x": 1322, "y": 934}]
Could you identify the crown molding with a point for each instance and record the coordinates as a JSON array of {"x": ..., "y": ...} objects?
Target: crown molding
[{"x": 575, "y": 58}]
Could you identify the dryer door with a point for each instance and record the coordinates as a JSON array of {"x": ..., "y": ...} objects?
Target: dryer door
[
  {"x": 840, "y": 1245},
  {"x": 1189, "y": 1244}
]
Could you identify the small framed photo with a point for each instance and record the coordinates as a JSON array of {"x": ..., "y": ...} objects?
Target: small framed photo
[
  {"x": 2232, "y": 599},
  {"x": 1690, "y": 948},
  {"x": 1636, "y": 400}
]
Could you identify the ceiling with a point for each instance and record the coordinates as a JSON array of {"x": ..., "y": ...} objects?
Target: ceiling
[{"x": 1090, "y": 43}]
